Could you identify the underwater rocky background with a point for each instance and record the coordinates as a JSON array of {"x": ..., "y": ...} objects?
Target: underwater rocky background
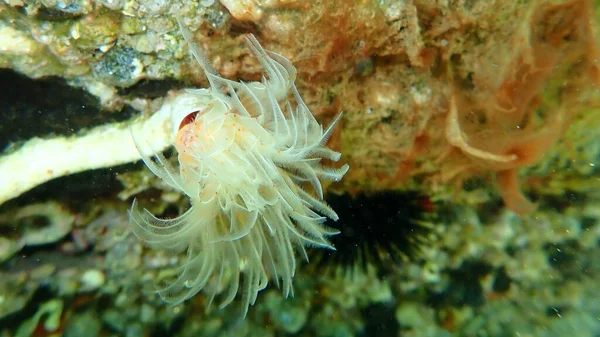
[{"x": 471, "y": 128}]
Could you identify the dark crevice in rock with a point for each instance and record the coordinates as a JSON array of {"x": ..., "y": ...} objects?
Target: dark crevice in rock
[{"x": 46, "y": 107}]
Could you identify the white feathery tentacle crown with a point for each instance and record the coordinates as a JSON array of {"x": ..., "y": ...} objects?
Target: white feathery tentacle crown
[{"x": 247, "y": 152}]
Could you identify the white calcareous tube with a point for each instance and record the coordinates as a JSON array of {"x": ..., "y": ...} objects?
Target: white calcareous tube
[{"x": 41, "y": 160}]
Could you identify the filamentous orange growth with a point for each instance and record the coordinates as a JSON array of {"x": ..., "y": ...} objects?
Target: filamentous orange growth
[{"x": 243, "y": 162}]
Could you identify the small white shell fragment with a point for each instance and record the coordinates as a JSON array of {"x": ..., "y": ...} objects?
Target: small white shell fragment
[
  {"x": 92, "y": 279},
  {"x": 244, "y": 10}
]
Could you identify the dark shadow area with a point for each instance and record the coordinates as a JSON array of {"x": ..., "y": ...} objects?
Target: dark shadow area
[{"x": 46, "y": 107}]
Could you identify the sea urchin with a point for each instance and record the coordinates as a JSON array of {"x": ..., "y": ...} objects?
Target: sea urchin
[{"x": 377, "y": 228}]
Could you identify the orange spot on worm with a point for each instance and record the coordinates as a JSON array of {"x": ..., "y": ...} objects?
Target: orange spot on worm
[{"x": 190, "y": 118}]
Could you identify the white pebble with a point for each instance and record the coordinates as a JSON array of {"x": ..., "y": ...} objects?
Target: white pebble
[{"x": 92, "y": 280}]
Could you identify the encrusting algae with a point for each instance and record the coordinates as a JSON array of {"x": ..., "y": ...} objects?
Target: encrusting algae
[{"x": 244, "y": 157}]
